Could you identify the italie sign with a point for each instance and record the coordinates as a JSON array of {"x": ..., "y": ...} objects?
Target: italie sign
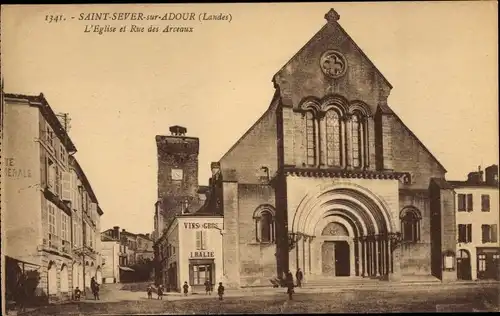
[{"x": 201, "y": 254}]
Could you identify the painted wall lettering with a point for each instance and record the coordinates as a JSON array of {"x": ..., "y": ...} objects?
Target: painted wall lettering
[
  {"x": 201, "y": 225},
  {"x": 15, "y": 172}
]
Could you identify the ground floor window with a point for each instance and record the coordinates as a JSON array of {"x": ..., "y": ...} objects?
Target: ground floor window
[{"x": 200, "y": 271}]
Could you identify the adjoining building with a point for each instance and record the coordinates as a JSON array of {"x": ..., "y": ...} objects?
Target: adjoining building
[
  {"x": 53, "y": 217},
  {"x": 133, "y": 250},
  {"x": 477, "y": 220},
  {"x": 110, "y": 253},
  {"x": 191, "y": 251}
]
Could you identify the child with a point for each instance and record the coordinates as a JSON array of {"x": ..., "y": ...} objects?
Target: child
[
  {"x": 220, "y": 291},
  {"x": 160, "y": 292},
  {"x": 150, "y": 292},
  {"x": 186, "y": 288},
  {"x": 208, "y": 287}
]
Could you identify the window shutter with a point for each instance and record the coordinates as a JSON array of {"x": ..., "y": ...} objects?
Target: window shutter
[
  {"x": 203, "y": 240},
  {"x": 484, "y": 233},
  {"x": 461, "y": 202},
  {"x": 494, "y": 233},
  {"x": 485, "y": 202},
  {"x": 461, "y": 231},
  {"x": 50, "y": 175},
  {"x": 469, "y": 232},
  {"x": 191, "y": 274},
  {"x": 198, "y": 240},
  {"x": 469, "y": 203},
  {"x": 66, "y": 186}
]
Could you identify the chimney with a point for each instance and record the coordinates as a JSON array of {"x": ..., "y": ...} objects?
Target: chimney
[
  {"x": 148, "y": 236},
  {"x": 475, "y": 177},
  {"x": 215, "y": 166},
  {"x": 492, "y": 175},
  {"x": 177, "y": 130},
  {"x": 116, "y": 232}
]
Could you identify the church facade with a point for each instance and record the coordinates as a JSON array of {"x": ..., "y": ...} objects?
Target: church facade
[{"x": 330, "y": 180}]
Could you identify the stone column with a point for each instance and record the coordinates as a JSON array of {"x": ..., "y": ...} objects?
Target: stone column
[
  {"x": 365, "y": 257},
  {"x": 387, "y": 257},
  {"x": 322, "y": 139},
  {"x": 377, "y": 256},
  {"x": 307, "y": 249},
  {"x": 343, "y": 146},
  {"x": 317, "y": 141},
  {"x": 361, "y": 255},
  {"x": 366, "y": 143},
  {"x": 348, "y": 143}
]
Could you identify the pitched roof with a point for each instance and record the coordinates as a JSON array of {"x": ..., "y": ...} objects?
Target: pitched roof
[{"x": 331, "y": 23}]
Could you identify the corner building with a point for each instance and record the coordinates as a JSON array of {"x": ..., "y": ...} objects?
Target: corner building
[{"x": 330, "y": 180}]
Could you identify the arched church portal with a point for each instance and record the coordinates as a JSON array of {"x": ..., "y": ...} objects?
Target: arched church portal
[{"x": 344, "y": 230}]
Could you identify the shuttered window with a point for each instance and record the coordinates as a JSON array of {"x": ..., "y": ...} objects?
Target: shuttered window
[
  {"x": 465, "y": 233},
  {"x": 485, "y": 203},
  {"x": 489, "y": 233},
  {"x": 201, "y": 242}
]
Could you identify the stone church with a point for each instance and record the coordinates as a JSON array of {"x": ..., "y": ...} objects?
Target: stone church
[{"x": 330, "y": 180}]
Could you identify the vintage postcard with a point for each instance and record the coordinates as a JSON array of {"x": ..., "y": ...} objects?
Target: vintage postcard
[{"x": 249, "y": 158}]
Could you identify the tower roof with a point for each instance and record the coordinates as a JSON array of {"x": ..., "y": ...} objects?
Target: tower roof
[{"x": 178, "y": 130}]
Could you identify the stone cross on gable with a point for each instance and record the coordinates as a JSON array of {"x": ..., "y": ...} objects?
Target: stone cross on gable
[{"x": 332, "y": 16}]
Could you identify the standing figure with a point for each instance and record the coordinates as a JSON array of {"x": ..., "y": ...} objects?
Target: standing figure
[
  {"x": 160, "y": 292},
  {"x": 299, "y": 275},
  {"x": 208, "y": 287},
  {"x": 78, "y": 293},
  {"x": 94, "y": 286},
  {"x": 220, "y": 291},
  {"x": 186, "y": 288},
  {"x": 150, "y": 292},
  {"x": 290, "y": 285}
]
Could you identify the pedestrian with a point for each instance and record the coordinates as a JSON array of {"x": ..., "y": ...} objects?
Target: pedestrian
[
  {"x": 160, "y": 292},
  {"x": 220, "y": 291},
  {"x": 186, "y": 288},
  {"x": 21, "y": 293},
  {"x": 299, "y": 275},
  {"x": 208, "y": 287},
  {"x": 78, "y": 293},
  {"x": 150, "y": 292},
  {"x": 290, "y": 285},
  {"x": 95, "y": 291}
]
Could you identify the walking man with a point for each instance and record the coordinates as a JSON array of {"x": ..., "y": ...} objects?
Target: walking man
[{"x": 290, "y": 285}]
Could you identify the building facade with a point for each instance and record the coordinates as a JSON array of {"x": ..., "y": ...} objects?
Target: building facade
[
  {"x": 54, "y": 215},
  {"x": 191, "y": 251},
  {"x": 110, "y": 254},
  {"x": 330, "y": 180},
  {"x": 477, "y": 221}
]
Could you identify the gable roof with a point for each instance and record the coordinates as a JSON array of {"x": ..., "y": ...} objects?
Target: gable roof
[
  {"x": 331, "y": 23},
  {"x": 389, "y": 111}
]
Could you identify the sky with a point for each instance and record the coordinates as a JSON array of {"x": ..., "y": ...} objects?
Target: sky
[{"x": 122, "y": 89}]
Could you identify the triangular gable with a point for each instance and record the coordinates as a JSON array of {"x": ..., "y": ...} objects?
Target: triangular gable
[{"x": 304, "y": 76}]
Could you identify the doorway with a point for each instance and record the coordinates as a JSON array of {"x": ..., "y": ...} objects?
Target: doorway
[
  {"x": 463, "y": 265},
  {"x": 488, "y": 264},
  {"x": 342, "y": 258},
  {"x": 335, "y": 258}
]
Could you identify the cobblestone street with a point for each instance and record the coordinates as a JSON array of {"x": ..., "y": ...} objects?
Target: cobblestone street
[{"x": 402, "y": 298}]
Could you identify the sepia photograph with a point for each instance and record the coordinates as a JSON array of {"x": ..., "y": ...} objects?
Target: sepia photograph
[{"x": 249, "y": 158}]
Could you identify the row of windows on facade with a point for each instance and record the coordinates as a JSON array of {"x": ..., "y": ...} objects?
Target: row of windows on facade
[
  {"x": 64, "y": 230},
  {"x": 55, "y": 146},
  {"x": 489, "y": 233},
  {"x": 66, "y": 186},
  {"x": 465, "y": 203},
  {"x": 338, "y": 138}
]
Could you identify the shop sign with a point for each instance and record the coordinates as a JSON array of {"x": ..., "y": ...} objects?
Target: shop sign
[
  {"x": 201, "y": 254},
  {"x": 201, "y": 225}
]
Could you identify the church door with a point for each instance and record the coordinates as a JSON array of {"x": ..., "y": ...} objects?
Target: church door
[{"x": 342, "y": 258}]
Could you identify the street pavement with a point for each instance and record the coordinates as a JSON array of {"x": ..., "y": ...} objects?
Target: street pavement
[{"x": 465, "y": 297}]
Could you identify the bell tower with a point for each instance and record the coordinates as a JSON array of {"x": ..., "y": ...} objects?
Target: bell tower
[{"x": 177, "y": 171}]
